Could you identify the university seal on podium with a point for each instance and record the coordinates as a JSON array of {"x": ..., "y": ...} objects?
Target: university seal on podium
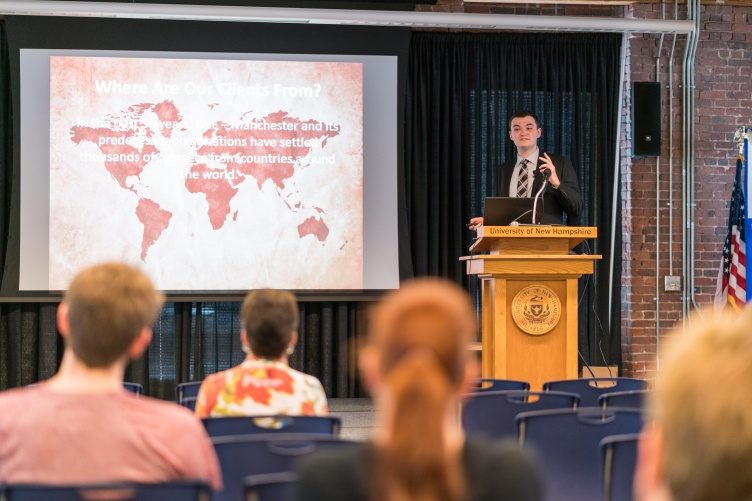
[{"x": 536, "y": 309}]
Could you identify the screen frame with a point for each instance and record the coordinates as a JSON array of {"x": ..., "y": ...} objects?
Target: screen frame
[{"x": 72, "y": 33}]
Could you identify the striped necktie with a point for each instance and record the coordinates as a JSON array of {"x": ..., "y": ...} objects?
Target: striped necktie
[{"x": 522, "y": 177}]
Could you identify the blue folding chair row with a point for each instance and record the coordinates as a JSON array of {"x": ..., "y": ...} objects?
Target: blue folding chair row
[
  {"x": 566, "y": 443},
  {"x": 492, "y": 414},
  {"x": 134, "y": 388},
  {"x": 618, "y": 457},
  {"x": 241, "y": 456},
  {"x": 186, "y": 393},
  {"x": 252, "y": 425},
  {"x": 590, "y": 389},
  {"x": 270, "y": 487},
  {"x": 634, "y": 399},
  {"x": 491, "y": 384},
  {"x": 174, "y": 491}
]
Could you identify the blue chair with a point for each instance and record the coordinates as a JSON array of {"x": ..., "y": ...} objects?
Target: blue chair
[
  {"x": 244, "y": 455},
  {"x": 121, "y": 491},
  {"x": 270, "y": 487},
  {"x": 566, "y": 443},
  {"x": 251, "y": 425},
  {"x": 589, "y": 389},
  {"x": 135, "y": 388},
  {"x": 618, "y": 457},
  {"x": 186, "y": 393},
  {"x": 634, "y": 399},
  {"x": 491, "y": 414},
  {"x": 491, "y": 384}
]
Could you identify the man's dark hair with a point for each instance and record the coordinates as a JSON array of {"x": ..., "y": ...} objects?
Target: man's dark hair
[
  {"x": 269, "y": 319},
  {"x": 523, "y": 114}
]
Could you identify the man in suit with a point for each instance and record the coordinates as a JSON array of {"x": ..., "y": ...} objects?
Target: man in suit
[{"x": 524, "y": 176}]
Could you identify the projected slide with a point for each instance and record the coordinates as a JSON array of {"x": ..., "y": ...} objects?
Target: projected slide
[{"x": 213, "y": 174}]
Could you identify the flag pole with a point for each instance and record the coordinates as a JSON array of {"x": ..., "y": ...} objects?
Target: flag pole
[{"x": 744, "y": 152}]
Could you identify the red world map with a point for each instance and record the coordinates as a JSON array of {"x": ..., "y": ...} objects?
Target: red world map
[{"x": 263, "y": 149}]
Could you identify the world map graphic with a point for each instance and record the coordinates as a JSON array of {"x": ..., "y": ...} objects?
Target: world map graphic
[{"x": 260, "y": 149}]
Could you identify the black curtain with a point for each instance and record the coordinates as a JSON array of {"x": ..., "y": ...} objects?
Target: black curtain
[{"x": 461, "y": 89}]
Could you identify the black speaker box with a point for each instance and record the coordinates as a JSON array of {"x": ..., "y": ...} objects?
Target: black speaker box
[{"x": 646, "y": 119}]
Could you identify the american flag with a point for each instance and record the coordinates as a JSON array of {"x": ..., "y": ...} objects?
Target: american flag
[{"x": 732, "y": 277}]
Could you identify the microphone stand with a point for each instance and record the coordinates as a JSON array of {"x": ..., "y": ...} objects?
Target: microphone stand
[{"x": 546, "y": 175}]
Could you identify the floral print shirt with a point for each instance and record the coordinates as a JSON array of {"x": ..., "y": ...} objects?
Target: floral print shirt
[{"x": 261, "y": 388}]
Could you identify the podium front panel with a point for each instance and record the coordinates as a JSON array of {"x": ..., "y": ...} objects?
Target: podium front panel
[{"x": 512, "y": 353}]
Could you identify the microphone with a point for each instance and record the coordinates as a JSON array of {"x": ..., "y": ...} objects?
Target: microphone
[{"x": 546, "y": 175}]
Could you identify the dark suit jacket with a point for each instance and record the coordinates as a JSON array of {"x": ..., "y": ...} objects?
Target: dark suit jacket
[{"x": 555, "y": 201}]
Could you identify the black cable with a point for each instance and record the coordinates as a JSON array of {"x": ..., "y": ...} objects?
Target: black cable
[{"x": 597, "y": 318}]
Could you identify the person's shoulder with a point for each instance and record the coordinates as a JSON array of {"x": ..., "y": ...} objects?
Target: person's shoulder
[
  {"x": 166, "y": 406},
  {"x": 21, "y": 392},
  {"x": 501, "y": 467},
  {"x": 334, "y": 474},
  {"x": 309, "y": 379},
  {"x": 155, "y": 409},
  {"x": 20, "y": 396},
  {"x": 493, "y": 451},
  {"x": 332, "y": 462},
  {"x": 164, "y": 420}
]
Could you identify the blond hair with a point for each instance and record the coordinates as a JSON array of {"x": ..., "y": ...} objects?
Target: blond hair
[
  {"x": 701, "y": 405},
  {"x": 422, "y": 332},
  {"x": 108, "y": 306}
]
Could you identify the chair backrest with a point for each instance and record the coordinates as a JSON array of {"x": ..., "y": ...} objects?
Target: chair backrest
[
  {"x": 589, "y": 389},
  {"x": 186, "y": 393},
  {"x": 244, "y": 455},
  {"x": 248, "y": 425},
  {"x": 189, "y": 402},
  {"x": 634, "y": 399},
  {"x": 618, "y": 458},
  {"x": 491, "y": 384},
  {"x": 269, "y": 487},
  {"x": 134, "y": 387},
  {"x": 492, "y": 414},
  {"x": 566, "y": 443},
  {"x": 174, "y": 491}
]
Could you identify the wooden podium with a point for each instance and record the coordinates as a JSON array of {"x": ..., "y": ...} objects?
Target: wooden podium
[{"x": 529, "y": 280}]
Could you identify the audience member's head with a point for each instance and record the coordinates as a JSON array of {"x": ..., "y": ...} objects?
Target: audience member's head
[
  {"x": 699, "y": 446},
  {"x": 416, "y": 365},
  {"x": 105, "y": 309},
  {"x": 270, "y": 323},
  {"x": 264, "y": 384},
  {"x": 81, "y": 427}
]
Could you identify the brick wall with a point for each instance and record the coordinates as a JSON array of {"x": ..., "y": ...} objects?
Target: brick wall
[{"x": 723, "y": 102}]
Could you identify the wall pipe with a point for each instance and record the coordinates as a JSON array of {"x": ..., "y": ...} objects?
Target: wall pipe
[
  {"x": 691, "y": 151},
  {"x": 658, "y": 202}
]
